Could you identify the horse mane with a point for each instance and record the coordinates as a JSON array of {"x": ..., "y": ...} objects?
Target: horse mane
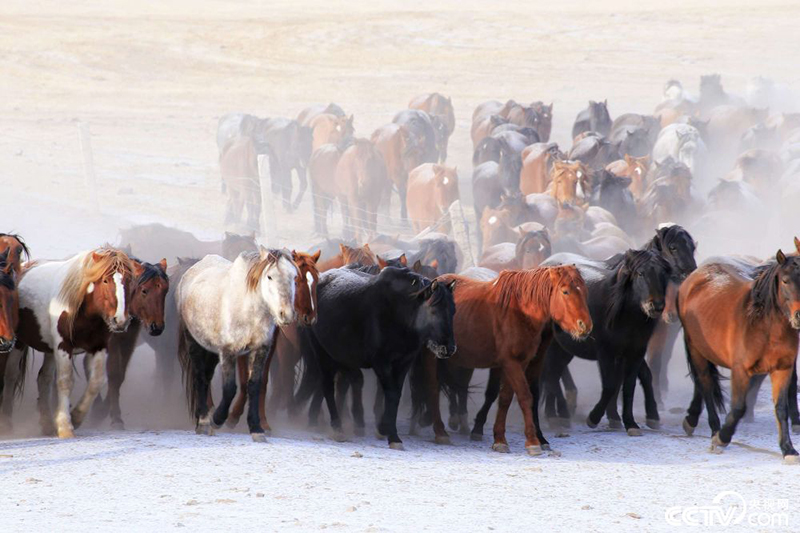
[
  {"x": 84, "y": 271},
  {"x": 524, "y": 286},
  {"x": 150, "y": 271},
  {"x": 764, "y": 294},
  {"x": 258, "y": 265},
  {"x": 629, "y": 263},
  {"x": 20, "y": 240}
]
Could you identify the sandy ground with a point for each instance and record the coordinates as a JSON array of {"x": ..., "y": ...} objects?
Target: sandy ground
[{"x": 150, "y": 81}]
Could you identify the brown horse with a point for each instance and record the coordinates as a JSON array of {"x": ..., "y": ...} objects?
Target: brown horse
[
  {"x": 437, "y": 105},
  {"x": 502, "y": 324},
  {"x": 484, "y": 126},
  {"x": 570, "y": 182},
  {"x": 531, "y": 248},
  {"x": 347, "y": 256},
  {"x": 17, "y": 250},
  {"x": 634, "y": 168},
  {"x": 238, "y": 165},
  {"x": 311, "y": 112},
  {"x": 545, "y": 123},
  {"x": 330, "y": 129},
  {"x": 360, "y": 181},
  {"x": 286, "y": 343},
  {"x": 322, "y": 171},
  {"x": 747, "y": 325},
  {"x": 537, "y": 163},
  {"x": 401, "y": 153},
  {"x": 431, "y": 190}
]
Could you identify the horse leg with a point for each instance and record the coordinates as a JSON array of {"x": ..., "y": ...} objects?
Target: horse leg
[
  {"x": 203, "y": 365},
  {"x": 402, "y": 192},
  {"x": 45, "y": 384},
  {"x": 489, "y": 397},
  {"x": 342, "y": 382},
  {"x": 794, "y": 416},
  {"x": 432, "y": 381},
  {"x": 739, "y": 385},
  {"x": 631, "y": 367},
  {"x": 463, "y": 414},
  {"x": 328, "y": 386},
  {"x": 233, "y": 208},
  {"x": 570, "y": 391},
  {"x": 752, "y": 396},
  {"x": 556, "y": 409},
  {"x": 119, "y": 357},
  {"x": 302, "y": 179},
  {"x": 228, "y": 390},
  {"x": 64, "y": 383},
  {"x": 614, "y": 420},
  {"x": 655, "y": 357},
  {"x": 695, "y": 408},
  {"x": 256, "y": 361},
  {"x": 237, "y": 408},
  {"x": 262, "y": 393},
  {"x": 652, "y": 419},
  {"x": 534, "y": 376},
  {"x": 515, "y": 376},
  {"x": 780, "y": 397},
  {"x": 391, "y": 377},
  {"x": 609, "y": 373},
  {"x": 357, "y": 407},
  {"x": 8, "y": 380}
]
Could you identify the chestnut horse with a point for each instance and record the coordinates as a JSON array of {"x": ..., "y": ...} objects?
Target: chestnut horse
[
  {"x": 634, "y": 168},
  {"x": 238, "y": 165},
  {"x": 537, "y": 163},
  {"x": 401, "y": 153},
  {"x": 17, "y": 249},
  {"x": 360, "y": 181},
  {"x": 330, "y": 129},
  {"x": 501, "y": 324},
  {"x": 311, "y": 112},
  {"x": 286, "y": 344},
  {"x": 747, "y": 325},
  {"x": 347, "y": 256},
  {"x": 322, "y": 171},
  {"x": 431, "y": 190},
  {"x": 531, "y": 248},
  {"x": 570, "y": 182}
]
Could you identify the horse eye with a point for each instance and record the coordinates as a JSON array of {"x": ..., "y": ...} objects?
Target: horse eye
[
  {"x": 269, "y": 278},
  {"x": 144, "y": 291},
  {"x": 105, "y": 281},
  {"x": 564, "y": 292}
]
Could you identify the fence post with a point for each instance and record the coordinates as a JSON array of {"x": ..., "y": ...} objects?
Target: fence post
[
  {"x": 268, "y": 219},
  {"x": 85, "y": 138},
  {"x": 461, "y": 232}
]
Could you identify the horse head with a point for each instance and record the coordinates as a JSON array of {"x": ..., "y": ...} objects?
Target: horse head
[
  {"x": 568, "y": 306},
  {"x": 9, "y": 302},
  {"x": 17, "y": 249},
  {"x": 435, "y": 312},
  {"x": 234, "y": 244},
  {"x": 677, "y": 246},
  {"x": 445, "y": 186},
  {"x": 272, "y": 275},
  {"x": 305, "y": 301},
  {"x": 149, "y": 290},
  {"x": 100, "y": 286},
  {"x": 532, "y": 248},
  {"x": 362, "y": 255},
  {"x": 641, "y": 277}
]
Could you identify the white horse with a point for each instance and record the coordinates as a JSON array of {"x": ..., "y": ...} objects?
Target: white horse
[
  {"x": 682, "y": 142},
  {"x": 69, "y": 307},
  {"x": 227, "y": 310}
]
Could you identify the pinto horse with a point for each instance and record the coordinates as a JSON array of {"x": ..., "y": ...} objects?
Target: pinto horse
[
  {"x": 501, "y": 324},
  {"x": 749, "y": 326},
  {"x": 67, "y": 307},
  {"x": 255, "y": 295},
  {"x": 147, "y": 309},
  {"x": 286, "y": 344}
]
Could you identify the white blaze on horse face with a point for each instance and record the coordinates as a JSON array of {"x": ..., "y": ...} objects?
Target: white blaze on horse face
[
  {"x": 90, "y": 288},
  {"x": 446, "y": 180},
  {"x": 492, "y": 219},
  {"x": 579, "y": 174},
  {"x": 541, "y": 247},
  {"x": 638, "y": 170},
  {"x": 338, "y": 127},
  {"x": 310, "y": 281},
  {"x": 119, "y": 316}
]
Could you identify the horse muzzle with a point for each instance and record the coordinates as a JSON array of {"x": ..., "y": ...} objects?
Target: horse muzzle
[
  {"x": 155, "y": 330},
  {"x": 118, "y": 326},
  {"x": 309, "y": 320},
  {"x": 284, "y": 319},
  {"x": 653, "y": 309},
  {"x": 6, "y": 345},
  {"x": 794, "y": 321},
  {"x": 440, "y": 350},
  {"x": 582, "y": 330}
]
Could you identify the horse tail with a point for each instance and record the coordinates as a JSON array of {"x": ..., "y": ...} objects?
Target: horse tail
[
  {"x": 713, "y": 373},
  {"x": 312, "y": 377},
  {"x": 416, "y": 382},
  {"x": 187, "y": 367},
  {"x": 22, "y": 371}
]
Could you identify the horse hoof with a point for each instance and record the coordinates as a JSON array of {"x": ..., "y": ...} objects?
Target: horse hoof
[
  {"x": 688, "y": 428},
  {"x": 117, "y": 425},
  {"x": 546, "y": 447},
  {"x": 477, "y": 437},
  {"x": 396, "y": 446},
  {"x": 66, "y": 433},
  {"x": 442, "y": 439},
  {"x": 590, "y": 423},
  {"x": 796, "y": 429},
  {"x": 258, "y": 437},
  {"x": 204, "y": 430},
  {"x": 358, "y": 431},
  {"x": 534, "y": 450},
  {"x": 717, "y": 444},
  {"x": 338, "y": 436},
  {"x": 615, "y": 424},
  {"x": 453, "y": 423},
  {"x": 791, "y": 459},
  {"x": 634, "y": 432},
  {"x": 501, "y": 447},
  {"x": 232, "y": 421}
]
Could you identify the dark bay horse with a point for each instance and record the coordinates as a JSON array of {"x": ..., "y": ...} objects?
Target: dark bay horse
[
  {"x": 749, "y": 326},
  {"x": 594, "y": 118},
  {"x": 500, "y": 324},
  {"x": 441, "y": 107},
  {"x": 350, "y": 334}
]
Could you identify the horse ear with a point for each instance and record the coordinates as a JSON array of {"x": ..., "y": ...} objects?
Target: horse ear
[
  {"x": 382, "y": 263},
  {"x": 96, "y": 257},
  {"x": 315, "y": 257},
  {"x": 452, "y": 285},
  {"x": 262, "y": 252},
  {"x": 438, "y": 169},
  {"x": 366, "y": 248},
  {"x": 163, "y": 263},
  {"x": 780, "y": 257},
  {"x": 342, "y": 248},
  {"x": 417, "y": 266},
  {"x": 228, "y": 235},
  {"x": 403, "y": 260},
  {"x": 797, "y": 244}
]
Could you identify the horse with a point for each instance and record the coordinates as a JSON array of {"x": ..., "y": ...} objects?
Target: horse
[
  {"x": 67, "y": 307},
  {"x": 545, "y": 124},
  {"x": 757, "y": 320},
  {"x": 151, "y": 242},
  {"x": 491, "y": 181},
  {"x": 234, "y": 125},
  {"x": 636, "y": 141},
  {"x": 510, "y": 141},
  {"x": 531, "y": 248},
  {"x": 286, "y": 343},
  {"x": 254, "y": 295},
  {"x": 633, "y": 168},
  {"x": 594, "y": 151},
  {"x": 308, "y": 114},
  {"x": 683, "y": 143},
  {"x": 238, "y": 165},
  {"x": 420, "y": 124},
  {"x": 347, "y": 255},
  {"x": 649, "y": 123},
  {"x": 612, "y": 193},
  {"x": 360, "y": 180},
  {"x": 437, "y": 105},
  {"x": 726, "y": 126},
  {"x": 594, "y": 118},
  {"x": 761, "y": 169},
  {"x": 626, "y": 296},
  {"x": 322, "y": 171},
  {"x": 148, "y": 294},
  {"x": 537, "y": 164},
  {"x": 401, "y": 155},
  {"x": 9, "y": 321},
  {"x": 712, "y": 95},
  {"x": 290, "y": 148},
  {"x": 17, "y": 250},
  {"x": 432, "y": 188},
  {"x": 570, "y": 182},
  {"x": 330, "y": 129},
  {"x": 414, "y": 313},
  {"x": 438, "y": 251},
  {"x": 484, "y": 127},
  {"x": 503, "y": 324}
]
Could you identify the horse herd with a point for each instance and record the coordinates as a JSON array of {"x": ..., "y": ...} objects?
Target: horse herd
[{"x": 559, "y": 276}]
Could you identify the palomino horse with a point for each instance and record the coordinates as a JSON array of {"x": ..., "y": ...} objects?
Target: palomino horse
[
  {"x": 431, "y": 190},
  {"x": 416, "y": 313},
  {"x": 254, "y": 295},
  {"x": 501, "y": 324},
  {"x": 593, "y": 118},
  {"x": 360, "y": 181},
  {"x": 148, "y": 293},
  {"x": 286, "y": 343},
  {"x": 634, "y": 168},
  {"x": 330, "y": 129},
  {"x": 401, "y": 155},
  {"x": 747, "y": 325},
  {"x": 67, "y": 307},
  {"x": 437, "y": 105}
]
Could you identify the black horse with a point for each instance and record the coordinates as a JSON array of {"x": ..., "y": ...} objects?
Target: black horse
[
  {"x": 381, "y": 322},
  {"x": 594, "y": 118},
  {"x": 626, "y": 300}
]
